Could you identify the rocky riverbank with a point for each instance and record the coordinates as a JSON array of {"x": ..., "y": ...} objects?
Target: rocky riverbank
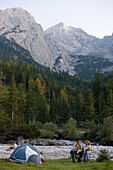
[{"x": 55, "y": 152}]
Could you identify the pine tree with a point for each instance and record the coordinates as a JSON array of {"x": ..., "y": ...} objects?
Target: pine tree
[
  {"x": 13, "y": 99},
  {"x": 5, "y": 122},
  {"x": 21, "y": 102},
  {"x": 63, "y": 107},
  {"x": 70, "y": 129},
  {"x": 31, "y": 102},
  {"x": 89, "y": 106},
  {"x": 42, "y": 105},
  {"x": 72, "y": 104},
  {"x": 43, "y": 109},
  {"x": 110, "y": 103},
  {"x": 54, "y": 110},
  {"x": 98, "y": 91},
  {"x": 79, "y": 108}
]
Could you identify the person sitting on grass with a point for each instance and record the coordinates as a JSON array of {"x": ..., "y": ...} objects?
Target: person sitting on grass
[
  {"x": 76, "y": 151},
  {"x": 87, "y": 148}
]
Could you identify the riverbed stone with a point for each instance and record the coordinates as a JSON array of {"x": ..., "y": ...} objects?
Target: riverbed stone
[{"x": 56, "y": 152}]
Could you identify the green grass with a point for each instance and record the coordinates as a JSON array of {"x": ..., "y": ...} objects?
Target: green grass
[{"x": 61, "y": 164}]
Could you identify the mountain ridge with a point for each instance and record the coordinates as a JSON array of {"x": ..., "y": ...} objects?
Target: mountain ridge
[
  {"x": 10, "y": 50},
  {"x": 59, "y": 47},
  {"x": 81, "y": 42},
  {"x": 21, "y": 26}
]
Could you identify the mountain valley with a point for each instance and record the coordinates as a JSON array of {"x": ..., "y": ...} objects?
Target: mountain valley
[{"x": 61, "y": 47}]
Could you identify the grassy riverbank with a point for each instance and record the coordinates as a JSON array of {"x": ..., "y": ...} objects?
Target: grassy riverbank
[{"x": 61, "y": 164}]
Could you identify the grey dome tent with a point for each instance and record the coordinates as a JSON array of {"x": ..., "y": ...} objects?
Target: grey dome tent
[{"x": 25, "y": 153}]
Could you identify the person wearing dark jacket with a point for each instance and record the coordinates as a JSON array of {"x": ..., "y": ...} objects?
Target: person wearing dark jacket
[{"x": 76, "y": 151}]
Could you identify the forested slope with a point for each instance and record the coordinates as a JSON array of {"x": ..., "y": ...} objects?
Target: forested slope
[{"x": 30, "y": 97}]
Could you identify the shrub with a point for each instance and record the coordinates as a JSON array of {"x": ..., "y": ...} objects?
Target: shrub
[
  {"x": 1, "y": 139},
  {"x": 87, "y": 124},
  {"x": 51, "y": 143},
  {"x": 103, "y": 156},
  {"x": 105, "y": 141},
  {"x": 70, "y": 129},
  {"x": 47, "y": 134},
  {"x": 48, "y": 130},
  {"x": 29, "y": 131},
  {"x": 49, "y": 126}
]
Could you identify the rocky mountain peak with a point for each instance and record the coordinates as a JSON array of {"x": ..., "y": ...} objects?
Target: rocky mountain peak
[
  {"x": 62, "y": 28},
  {"x": 19, "y": 25},
  {"x": 13, "y": 10},
  {"x": 74, "y": 40},
  {"x": 58, "y": 29},
  {"x": 13, "y": 17},
  {"x": 59, "y": 47},
  {"x": 61, "y": 25}
]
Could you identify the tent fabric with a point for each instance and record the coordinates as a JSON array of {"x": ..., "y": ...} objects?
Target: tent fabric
[
  {"x": 34, "y": 158},
  {"x": 30, "y": 152},
  {"x": 25, "y": 153}
]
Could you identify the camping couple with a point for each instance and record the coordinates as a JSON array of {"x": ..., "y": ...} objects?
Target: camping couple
[{"x": 78, "y": 150}]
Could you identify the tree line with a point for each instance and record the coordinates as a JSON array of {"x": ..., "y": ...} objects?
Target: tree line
[{"x": 31, "y": 97}]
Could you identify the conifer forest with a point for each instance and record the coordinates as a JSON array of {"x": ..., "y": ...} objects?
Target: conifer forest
[{"x": 37, "y": 102}]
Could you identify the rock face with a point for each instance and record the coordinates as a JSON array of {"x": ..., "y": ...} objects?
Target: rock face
[
  {"x": 77, "y": 52},
  {"x": 61, "y": 48},
  {"x": 107, "y": 45},
  {"x": 60, "y": 60},
  {"x": 11, "y": 50},
  {"x": 19, "y": 25},
  {"x": 73, "y": 40},
  {"x": 78, "y": 42}
]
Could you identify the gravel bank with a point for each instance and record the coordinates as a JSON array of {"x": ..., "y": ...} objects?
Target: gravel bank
[{"x": 56, "y": 152}]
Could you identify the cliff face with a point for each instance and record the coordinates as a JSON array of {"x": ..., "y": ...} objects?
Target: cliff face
[
  {"x": 74, "y": 40},
  {"x": 82, "y": 52},
  {"x": 19, "y": 25},
  {"x": 78, "y": 42}
]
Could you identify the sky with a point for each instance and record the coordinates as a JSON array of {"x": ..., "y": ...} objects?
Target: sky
[{"x": 93, "y": 16}]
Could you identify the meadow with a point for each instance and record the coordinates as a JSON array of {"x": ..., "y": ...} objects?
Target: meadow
[{"x": 61, "y": 164}]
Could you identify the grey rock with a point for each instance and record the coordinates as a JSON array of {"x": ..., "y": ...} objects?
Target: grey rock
[
  {"x": 20, "y": 140},
  {"x": 76, "y": 42},
  {"x": 57, "y": 152},
  {"x": 19, "y": 25},
  {"x": 73, "y": 40},
  {"x": 12, "y": 142}
]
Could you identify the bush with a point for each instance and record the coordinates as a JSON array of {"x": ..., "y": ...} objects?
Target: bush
[
  {"x": 49, "y": 126},
  {"x": 29, "y": 131},
  {"x": 96, "y": 133},
  {"x": 103, "y": 156},
  {"x": 51, "y": 143},
  {"x": 70, "y": 129},
  {"x": 87, "y": 124},
  {"x": 1, "y": 139},
  {"x": 47, "y": 134},
  {"x": 105, "y": 141}
]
